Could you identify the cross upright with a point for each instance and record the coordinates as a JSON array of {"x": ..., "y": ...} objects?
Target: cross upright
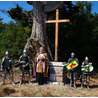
[{"x": 57, "y": 21}]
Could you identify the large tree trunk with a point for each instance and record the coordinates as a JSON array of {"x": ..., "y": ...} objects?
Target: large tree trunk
[{"x": 38, "y": 36}]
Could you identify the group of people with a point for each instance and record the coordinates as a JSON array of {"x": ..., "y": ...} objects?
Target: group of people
[
  {"x": 40, "y": 67},
  {"x": 73, "y": 67}
]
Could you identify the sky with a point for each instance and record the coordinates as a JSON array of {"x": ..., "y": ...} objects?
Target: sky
[{"x": 5, "y": 5}]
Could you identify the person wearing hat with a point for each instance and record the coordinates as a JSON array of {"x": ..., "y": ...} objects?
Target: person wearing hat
[
  {"x": 24, "y": 66},
  {"x": 6, "y": 67},
  {"x": 73, "y": 70}
]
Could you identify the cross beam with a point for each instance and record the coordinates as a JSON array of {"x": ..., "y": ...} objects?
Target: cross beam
[{"x": 57, "y": 21}]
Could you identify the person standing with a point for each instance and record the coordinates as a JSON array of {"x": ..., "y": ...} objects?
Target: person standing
[
  {"x": 73, "y": 71},
  {"x": 86, "y": 69},
  {"x": 24, "y": 66},
  {"x": 6, "y": 67},
  {"x": 42, "y": 66}
]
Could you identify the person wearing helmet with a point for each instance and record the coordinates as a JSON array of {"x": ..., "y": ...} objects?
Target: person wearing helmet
[
  {"x": 6, "y": 67},
  {"x": 73, "y": 71},
  {"x": 85, "y": 62},
  {"x": 24, "y": 65},
  {"x": 85, "y": 73},
  {"x": 72, "y": 56}
]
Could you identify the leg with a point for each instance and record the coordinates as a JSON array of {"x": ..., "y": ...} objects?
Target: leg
[
  {"x": 1, "y": 77},
  {"x": 81, "y": 80},
  {"x": 71, "y": 79},
  {"x": 74, "y": 79},
  {"x": 88, "y": 80},
  {"x": 28, "y": 76},
  {"x": 45, "y": 78},
  {"x": 11, "y": 76},
  {"x": 36, "y": 77},
  {"x": 4, "y": 76},
  {"x": 21, "y": 78},
  {"x": 65, "y": 78},
  {"x": 40, "y": 79}
]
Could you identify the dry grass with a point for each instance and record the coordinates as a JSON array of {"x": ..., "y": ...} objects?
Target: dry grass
[{"x": 49, "y": 90}]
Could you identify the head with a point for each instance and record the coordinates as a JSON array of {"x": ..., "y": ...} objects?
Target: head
[
  {"x": 72, "y": 55},
  {"x": 82, "y": 63},
  {"x": 86, "y": 58},
  {"x": 24, "y": 52},
  {"x": 6, "y": 53},
  {"x": 41, "y": 49}
]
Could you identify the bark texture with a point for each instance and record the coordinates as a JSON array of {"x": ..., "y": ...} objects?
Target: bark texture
[{"x": 38, "y": 36}]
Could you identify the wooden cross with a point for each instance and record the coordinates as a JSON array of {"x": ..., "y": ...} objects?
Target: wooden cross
[{"x": 57, "y": 21}]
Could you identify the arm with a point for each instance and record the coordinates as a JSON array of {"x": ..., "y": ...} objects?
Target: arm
[
  {"x": 1, "y": 67},
  {"x": 82, "y": 64},
  {"x": 69, "y": 60},
  {"x": 46, "y": 56},
  {"x": 20, "y": 58},
  {"x": 36, "y": 58},
  {"x": 77, "y": 60}
]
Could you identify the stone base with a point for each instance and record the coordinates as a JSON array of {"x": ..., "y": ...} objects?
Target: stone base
[{"x": 56, "y": 71}]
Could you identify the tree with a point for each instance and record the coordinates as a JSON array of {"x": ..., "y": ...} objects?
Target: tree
[
  {"x": 22, "y": 16},
  {"x": 38, "y": 35},
  {"x": 2, "y": 25},
  {"x": 13, "y": 38},
  {"x": 79, "y": 36}
]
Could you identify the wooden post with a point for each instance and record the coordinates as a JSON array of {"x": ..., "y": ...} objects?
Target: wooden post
[
  {"x": 57, "y": 21},
  {"x": 56, "y": 35}
]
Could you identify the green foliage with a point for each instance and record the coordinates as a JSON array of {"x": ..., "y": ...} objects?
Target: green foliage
[
  {"x": 79, "y": 36},
  {"x": 13, "y": 39},
  {"x": 84, "y": 7},
  {"x": 20, "y": 15},
  {"x": 1, "y": 25}
]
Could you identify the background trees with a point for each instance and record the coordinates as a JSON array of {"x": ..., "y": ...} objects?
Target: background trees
[
  {"x": 13, "y": 38},
  {"x": 79, "y": 36}
]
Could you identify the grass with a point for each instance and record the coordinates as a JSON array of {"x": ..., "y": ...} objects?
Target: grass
[{"x": 50, "y": 90}]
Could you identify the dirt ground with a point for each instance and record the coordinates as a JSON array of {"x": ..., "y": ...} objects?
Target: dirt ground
[{"x": 49, "y": 90}]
